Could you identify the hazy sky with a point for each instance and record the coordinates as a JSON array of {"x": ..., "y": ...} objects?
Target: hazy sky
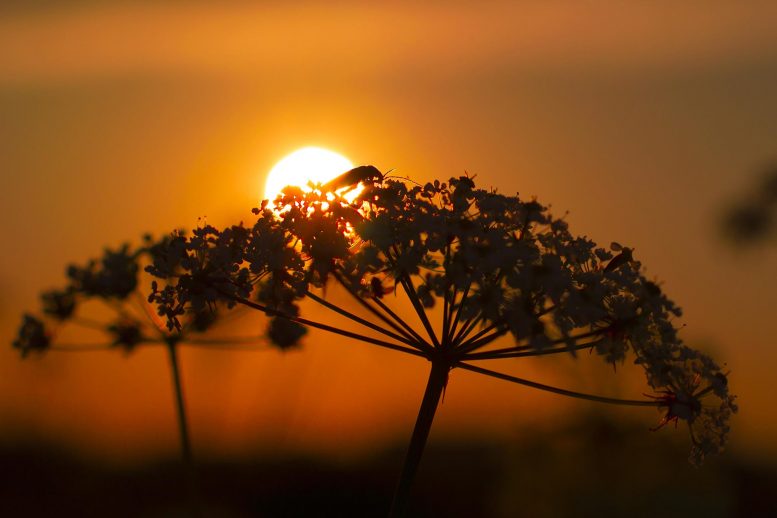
[{"x": 643, "y": 119}]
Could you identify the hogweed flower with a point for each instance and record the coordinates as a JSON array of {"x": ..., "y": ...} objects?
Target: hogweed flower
[
  {"x": 493, "y": 265},
  {"x": 115, "y": 280},
  {"x": 32, "y": 336}
]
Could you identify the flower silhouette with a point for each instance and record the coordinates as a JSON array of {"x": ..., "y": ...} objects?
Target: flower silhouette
[
  {"x": 115, "y": 280},
  {"x": 483, "y": 264},
  {"x": 32, "y": 336}
]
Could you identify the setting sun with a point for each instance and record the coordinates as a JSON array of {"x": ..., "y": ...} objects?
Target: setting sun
[{"x": 309, "y": 164}]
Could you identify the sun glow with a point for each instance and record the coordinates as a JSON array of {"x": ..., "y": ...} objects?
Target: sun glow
[{"x": 310, "y": 164}]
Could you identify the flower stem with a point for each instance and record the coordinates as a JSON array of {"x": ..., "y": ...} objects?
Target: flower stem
[
  {"x": 418, "y": 338},
  {"x": 180, "y": 406},
  {"x": 467, "y": 328},
  {"x": 360, "y": 320},
  {"x": 407, "y": 285},
  {"x": 183, "y": 430},
  {"x": 477, "y": 343},
  {"x": 454, "y": 331},
  {"x": 408, "y": 331},
  {"x": 319, "y": 325},
  {"x": 496, "y": 355},
  {"x": 555, "y": 390},
  {"x": 438, "y": 377}
]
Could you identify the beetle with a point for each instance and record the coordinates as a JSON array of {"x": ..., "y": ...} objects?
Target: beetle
[
  {"x": 619, "y": 260},
  {"x": 362, "y": 173}
]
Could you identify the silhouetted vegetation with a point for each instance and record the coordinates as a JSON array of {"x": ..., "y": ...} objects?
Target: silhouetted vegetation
[
  {"x": 475, "y": 266},
  {"x": 108, "y": 297}
]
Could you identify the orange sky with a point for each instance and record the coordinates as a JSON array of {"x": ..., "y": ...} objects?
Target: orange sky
[{"x": 641, "y": 119}]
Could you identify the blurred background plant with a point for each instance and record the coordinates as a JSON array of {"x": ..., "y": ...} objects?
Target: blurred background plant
[
  {"x": 107, "y": 298},
  {"x": 752, "y": 220}
]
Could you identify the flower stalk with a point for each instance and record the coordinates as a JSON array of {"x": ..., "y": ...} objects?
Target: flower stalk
[
  {"x": 180, "y": 405},
  {"x": 438, "y": 378},
  {"x": 192, "y": 490}
]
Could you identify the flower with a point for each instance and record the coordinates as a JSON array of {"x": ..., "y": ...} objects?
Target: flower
[
  {"x": 127, "y": 334},
  {"x": 498, "y": 265},
  {"x": 32, "y": 336},
  {"x": 114, "y": 279},
  {"x": 59, "y": 304},
  {"x": 114, "y": 276}
]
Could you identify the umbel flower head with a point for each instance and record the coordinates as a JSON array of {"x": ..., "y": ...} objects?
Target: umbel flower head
[
  {"x": 114, "y": 280},
  {"x": 492, "y": 265},
  {"x": 111, "y": 279}
]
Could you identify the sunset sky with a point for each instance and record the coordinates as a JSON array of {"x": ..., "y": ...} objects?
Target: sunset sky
[{"x": 644, "y": 120}]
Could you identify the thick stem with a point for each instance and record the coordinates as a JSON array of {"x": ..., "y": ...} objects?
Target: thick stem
[{"x": 438, "y": 377}]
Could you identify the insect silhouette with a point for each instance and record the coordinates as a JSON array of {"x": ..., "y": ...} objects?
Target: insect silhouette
[
  {"x": 625, "y": 256},
  {"x": 362, "y": 173}
]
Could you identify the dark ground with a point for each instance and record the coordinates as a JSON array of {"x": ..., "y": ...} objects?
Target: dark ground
[{"x": 590, "y": 468}]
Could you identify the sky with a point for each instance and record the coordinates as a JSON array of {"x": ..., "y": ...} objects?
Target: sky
[{"x": 643, "y": 120}]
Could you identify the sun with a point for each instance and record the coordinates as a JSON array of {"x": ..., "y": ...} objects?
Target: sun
[{"x": 309, "y": 164}]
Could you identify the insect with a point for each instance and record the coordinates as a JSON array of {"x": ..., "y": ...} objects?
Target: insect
[
  {"x": 363, "y": 173},
  {"x": 619, "y": 260}
]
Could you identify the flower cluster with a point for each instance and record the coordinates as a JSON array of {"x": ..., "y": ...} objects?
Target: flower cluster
[
  {"x": 32, "y": 336},
  {"x": 498, "y": 265},
  {"x": 113, "y": 279}
]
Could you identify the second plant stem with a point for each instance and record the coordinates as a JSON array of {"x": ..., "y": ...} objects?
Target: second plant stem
[
  {"x": 183, "y": 431},
  {"x": 180, "y": 405}
]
